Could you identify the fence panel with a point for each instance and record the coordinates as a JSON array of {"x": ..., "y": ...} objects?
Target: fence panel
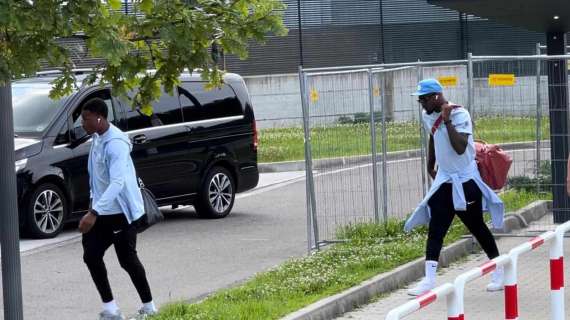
[
  {"x": 339, "y": 120},
  {"x": 510, "y": 108},
  {"x": 354, "y": 114}
]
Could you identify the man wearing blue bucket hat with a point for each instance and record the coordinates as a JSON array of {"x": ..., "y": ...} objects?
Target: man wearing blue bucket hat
[{"x": 457, "y": 188}]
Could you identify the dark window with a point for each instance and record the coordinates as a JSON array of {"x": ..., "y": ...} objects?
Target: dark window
[
  {"x": 33, "y": 108},
  {"x": 201, "y": 104},
  {"x": 165, "y": 111},
  {"x": 76, "y": 130}
]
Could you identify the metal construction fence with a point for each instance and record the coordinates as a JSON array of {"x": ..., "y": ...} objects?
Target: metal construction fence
[{"x": 365, "y": 149}]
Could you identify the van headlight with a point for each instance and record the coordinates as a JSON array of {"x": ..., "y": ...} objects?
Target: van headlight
[{"x": 21, "y": 164}]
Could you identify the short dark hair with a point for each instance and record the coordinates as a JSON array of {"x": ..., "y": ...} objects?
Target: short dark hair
[{"x": 97, "y": 106}]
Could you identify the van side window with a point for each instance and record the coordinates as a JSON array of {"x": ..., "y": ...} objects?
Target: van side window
[
  {"x": 190, "y": 106},
  {"x": 75, "y": 130},
  {"x": 165, "y": 111},
  {"x": 212, "y": 104}
]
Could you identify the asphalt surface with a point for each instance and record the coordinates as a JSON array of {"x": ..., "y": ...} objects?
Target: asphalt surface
[{"x": 185, "y": 257}]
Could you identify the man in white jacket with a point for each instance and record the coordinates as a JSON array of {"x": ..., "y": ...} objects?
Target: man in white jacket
[
  {"x": 457, "y": 188},
  {"x": 116, "y": 202}
]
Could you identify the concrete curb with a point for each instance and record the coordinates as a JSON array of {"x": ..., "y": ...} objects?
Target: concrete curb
[
  {"x": 348, "y": 300},
  {"x": 356, "y": 160}
]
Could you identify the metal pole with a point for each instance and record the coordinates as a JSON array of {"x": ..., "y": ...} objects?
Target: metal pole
[
  {"x": 307, "y": 171},
  {"x": 300, "y": 25},
  {"x": 311, "y": 203},
  {"x": 470, "y": 88},
  {"x": 373, "y": 141},
  {"x": 538, "y": 116},
  {"x": 426, "y": 183},
  {"x": 558, "y": 106},
  {"x": 384, "y": 154},
  {"x": 9, "y": 225}
]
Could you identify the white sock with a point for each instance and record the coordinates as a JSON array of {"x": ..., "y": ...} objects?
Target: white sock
[
  {"x": 149, "y": 306},
  {"x": 111, "y": 307},
  {"x": 498, "y": 273},
  {"x": 431, "y": 269}
]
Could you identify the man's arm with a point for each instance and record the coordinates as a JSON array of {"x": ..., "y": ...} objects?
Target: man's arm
[
  {"x": 458, "y": 140},
  {"x": 118, "y": 152},
  {"x": 431, "y": 158}
]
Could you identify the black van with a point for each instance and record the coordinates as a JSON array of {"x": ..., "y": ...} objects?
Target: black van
[{"x": 198, "y": 148}]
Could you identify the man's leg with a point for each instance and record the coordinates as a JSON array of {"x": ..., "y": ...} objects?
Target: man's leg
[
  {"x": 473, "y": 219},
  {"x": 125, "y": 243},
  {"x": 95, "y": 243},
  {"x": 442, "y": 213},
  {"x": 441, "y": 207}
]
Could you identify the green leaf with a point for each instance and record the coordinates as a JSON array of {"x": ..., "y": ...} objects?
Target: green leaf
[
  {"x": 146, "y": 6},
  {"x": 115, "y": 4},
  {"x": 146, "y": 110}
]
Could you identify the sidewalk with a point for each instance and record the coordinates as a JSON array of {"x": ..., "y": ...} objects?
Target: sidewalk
[{"x": 533, "y": 284}]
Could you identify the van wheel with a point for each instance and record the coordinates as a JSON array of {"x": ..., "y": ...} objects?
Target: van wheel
[
  {"x": 217, "y": 194},
  {"x": 45, "y": 211}
]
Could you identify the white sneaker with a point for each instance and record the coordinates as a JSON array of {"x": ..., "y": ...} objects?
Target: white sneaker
[
  {"x": 422, "y": 287},
  {"x": 144, "y": 313},
  {"x": 106, "y": 315},
  {"x": 497, "y": 281}
]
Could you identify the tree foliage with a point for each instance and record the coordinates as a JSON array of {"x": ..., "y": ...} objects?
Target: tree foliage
[{"x": 168, "y": 35}]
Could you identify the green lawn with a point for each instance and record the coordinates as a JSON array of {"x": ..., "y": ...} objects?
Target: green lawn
[
  {"x": 285, "y": 144},
  {"x": 371, "y": 250}
]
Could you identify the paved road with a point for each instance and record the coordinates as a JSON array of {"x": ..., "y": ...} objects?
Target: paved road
[{"x": 185, "y": 257}]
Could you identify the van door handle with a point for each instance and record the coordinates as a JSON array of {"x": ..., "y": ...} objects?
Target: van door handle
[{"x": 139, "y": 139}]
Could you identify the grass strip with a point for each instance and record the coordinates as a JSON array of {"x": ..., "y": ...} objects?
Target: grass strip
[
  {"x": 370, "y": 250},
  {"x": 336, "y": 140}
]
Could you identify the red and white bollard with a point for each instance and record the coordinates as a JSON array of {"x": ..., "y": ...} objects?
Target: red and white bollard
[
  {"x": 445, "y": 290},
  {"x": 456, "y": 309},
  {"x": 557, "y": 273},
  {"x": 511, "y": 289}
]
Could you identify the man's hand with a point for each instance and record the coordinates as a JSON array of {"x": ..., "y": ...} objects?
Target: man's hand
[
  {"x": 568, "y": 187},
  {"x": 446, "y": 112},
  {"x": 87, "y": 222}
]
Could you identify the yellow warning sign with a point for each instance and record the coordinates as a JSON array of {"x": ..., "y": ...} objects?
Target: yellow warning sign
[
  {"x": 376, "y": 92},
  {"x": 314, "y": 95},
  {"x": 448, "y": 81},
  {"x": 504, "y": 79}
]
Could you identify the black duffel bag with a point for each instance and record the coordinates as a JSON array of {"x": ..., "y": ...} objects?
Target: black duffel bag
[{"x": 152, "y": 214}]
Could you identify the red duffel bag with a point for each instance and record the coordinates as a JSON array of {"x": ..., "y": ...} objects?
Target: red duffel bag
[{"x": 493, "y": 164}]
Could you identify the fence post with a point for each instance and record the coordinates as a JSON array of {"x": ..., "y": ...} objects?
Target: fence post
[
  {"x": 384, "y": 152},
  {"x": 511, "y": 289},
  {"x": 470, "y": 89},
  {"x": 426, "y": 183},
  {"x": 373, "y": 141},
  {"x": 557, "y": 276},
  {"x": 312, "y": 227},
  {"x": 455, "y": 310},
  {"x": 538, "y": 116}
]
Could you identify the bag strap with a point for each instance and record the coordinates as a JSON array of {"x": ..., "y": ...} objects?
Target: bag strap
[{"x": 438, "y": 121}]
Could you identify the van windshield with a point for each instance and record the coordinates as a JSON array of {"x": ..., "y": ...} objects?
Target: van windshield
[{"x": 33, "y": 108}]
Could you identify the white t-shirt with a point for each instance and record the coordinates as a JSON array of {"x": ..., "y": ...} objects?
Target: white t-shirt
[{"x": 447, "y": 159}]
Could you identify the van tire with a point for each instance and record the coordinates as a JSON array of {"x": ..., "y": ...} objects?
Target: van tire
[
  {"x": 217, "y": 194},
  {"x": 46, "y": 210}
]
